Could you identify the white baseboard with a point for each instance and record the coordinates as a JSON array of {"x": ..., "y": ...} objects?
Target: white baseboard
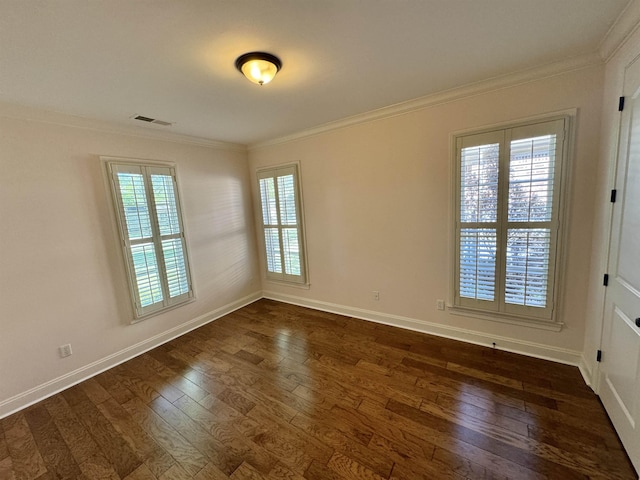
[
  {"x": 537, "y": 350},
  {"x": 591, "y": 373},
  {"x": 36, "y": 394},
  {"x": 586, "y": 372}
]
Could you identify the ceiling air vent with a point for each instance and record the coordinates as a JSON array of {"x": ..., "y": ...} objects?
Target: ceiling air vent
[{"x": 142, "y": 118}]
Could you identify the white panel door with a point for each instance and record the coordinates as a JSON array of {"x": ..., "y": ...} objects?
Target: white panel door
[{"x": 620, "y": 370}]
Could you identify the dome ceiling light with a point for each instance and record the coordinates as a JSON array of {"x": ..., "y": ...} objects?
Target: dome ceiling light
[{"x": 258, "y": 67}]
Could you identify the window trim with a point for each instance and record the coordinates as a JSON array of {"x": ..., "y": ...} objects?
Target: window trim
[
  {"x": 554, "y": 322},
  {"x": 139, "y": 312},
  {"x": 283, "y": 278}
]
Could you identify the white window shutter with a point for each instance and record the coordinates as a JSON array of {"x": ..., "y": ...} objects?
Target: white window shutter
[
  {"x": 507, "y": 227},
  {"x": 150, "y": 224},
  {"x": 282, "y": 224}
]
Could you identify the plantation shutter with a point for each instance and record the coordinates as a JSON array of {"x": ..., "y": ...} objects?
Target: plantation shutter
[
  {"x": 152, "y": 235},
  {"x": 532, "y": 217},
  {"x": 507, "y": 220},
  {"x": 281, "y": 220},
  {"x": 477, "y": 220}
]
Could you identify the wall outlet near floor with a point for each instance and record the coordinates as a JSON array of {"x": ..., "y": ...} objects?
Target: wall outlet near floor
[
  {"x": 65, "y": 350},
  {"x": 440, "y": 304},
  {"x": 376, "y": 295}
]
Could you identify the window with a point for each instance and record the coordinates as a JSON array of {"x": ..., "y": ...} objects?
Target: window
[
  {"x": 282, "y": 224},
  {"x": 508, "y": 194},
  {"x": 152, "y": 234}
]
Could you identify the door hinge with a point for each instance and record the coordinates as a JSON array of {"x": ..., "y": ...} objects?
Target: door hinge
[
  {"x": 599, "y": 356},
  {"x": 605, "y": 282},
  {"x": 621, "y": 104},
  {"x": 614, "y": 193}
]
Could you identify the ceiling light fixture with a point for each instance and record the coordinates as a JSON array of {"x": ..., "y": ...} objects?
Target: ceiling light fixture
[{"x": 258, "y": 67}]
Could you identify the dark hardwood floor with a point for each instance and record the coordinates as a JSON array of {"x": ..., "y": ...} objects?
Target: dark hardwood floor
[{"x": 282, "y": 392}]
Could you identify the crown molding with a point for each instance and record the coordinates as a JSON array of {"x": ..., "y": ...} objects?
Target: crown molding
[
  {"x": 622, "y": 28},
  {"x": 446, "y": 96},
  {"x": 20, "y": 112}
]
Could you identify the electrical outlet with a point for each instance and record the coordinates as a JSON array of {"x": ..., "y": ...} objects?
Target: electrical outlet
[
  {"x": 440, "y": 304},
  {"x": 376, "y": 295},
  {"x": 65, "y": 350}
]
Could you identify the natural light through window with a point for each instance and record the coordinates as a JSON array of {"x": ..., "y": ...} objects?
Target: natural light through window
[
  {"x": 281, "y": 220},
  {"x": 150, "y": 225},
  {"x": 507, "y": 219}
]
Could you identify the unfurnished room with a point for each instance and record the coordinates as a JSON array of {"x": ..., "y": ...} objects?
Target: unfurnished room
[{"x": 328, "y": 239}]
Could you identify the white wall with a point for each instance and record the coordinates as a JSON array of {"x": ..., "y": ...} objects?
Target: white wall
[
  {"x": 613, "y": 87},
  {"x": 378, "y": 214},
  {"x": 62, "y": 277}
]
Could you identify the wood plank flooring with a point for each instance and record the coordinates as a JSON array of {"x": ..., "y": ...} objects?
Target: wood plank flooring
[{"x": 274, "y": 391}]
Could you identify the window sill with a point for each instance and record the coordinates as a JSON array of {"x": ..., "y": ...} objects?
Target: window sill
[
  {"x": 302, "y": 286},
  {"x": 161, "y": 311},
  {"x": 506, "y": 318}
]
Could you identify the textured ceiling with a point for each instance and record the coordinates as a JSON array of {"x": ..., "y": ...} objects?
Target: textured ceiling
[{"x": 174, "y": 60}]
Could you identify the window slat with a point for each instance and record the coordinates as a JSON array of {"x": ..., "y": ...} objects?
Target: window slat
[
  {"x": 531, "y": 174},
  {"x": 134, "y": 206},
  {"x": 272, "y": 244},
  {"x": 175, "y": 267},
  {"x": 527, "y": 272},
  {"x": 479, "y": 183},
  {"x": 165, "y": 203},
  {"x": 477, "y": 263},
  {"x": 147, "y": 274},
  {"x": 268, "y": 200},
  {"x": 287, "y": 196},
  {"x": 291, "y": 247}
]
